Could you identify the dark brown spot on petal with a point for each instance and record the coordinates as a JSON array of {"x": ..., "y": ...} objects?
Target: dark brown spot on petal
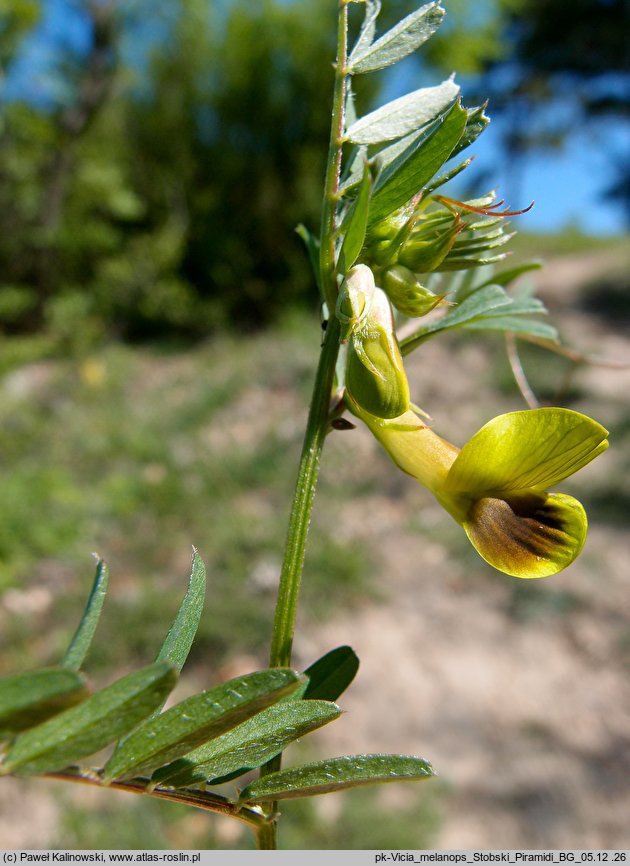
[{"x": 530, "y": 535}]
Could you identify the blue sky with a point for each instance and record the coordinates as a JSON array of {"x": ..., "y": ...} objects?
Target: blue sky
[{"x": 566, "y": 185}]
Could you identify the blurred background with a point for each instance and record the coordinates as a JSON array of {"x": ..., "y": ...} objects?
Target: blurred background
[{"x": 159, "y": 334}]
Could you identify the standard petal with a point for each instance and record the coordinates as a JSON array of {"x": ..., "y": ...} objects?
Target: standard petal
[
  {"x": 528, "y": 535},
  {"x": 533, "y": 449}
]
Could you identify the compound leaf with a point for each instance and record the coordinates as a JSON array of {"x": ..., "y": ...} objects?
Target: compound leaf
[{"x": 488, "y": 308}]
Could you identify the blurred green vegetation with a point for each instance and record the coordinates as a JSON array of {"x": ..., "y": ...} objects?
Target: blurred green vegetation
[
  {"x": 164, "y": 199},
  {"x": 140, "y": 454},
  {"x": 162, "y": 196},
  {"x": 153, "y": 188}
]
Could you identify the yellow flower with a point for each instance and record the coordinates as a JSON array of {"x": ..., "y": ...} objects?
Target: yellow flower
[{"x": 496, "y": 485}]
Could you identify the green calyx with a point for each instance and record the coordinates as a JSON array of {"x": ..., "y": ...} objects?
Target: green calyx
[{"x": 430, "y": 243}]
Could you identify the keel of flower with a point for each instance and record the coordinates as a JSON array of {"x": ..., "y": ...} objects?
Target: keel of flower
[
  {"x": 532, "y": 535},
  {"x": 496, "y": 486}
]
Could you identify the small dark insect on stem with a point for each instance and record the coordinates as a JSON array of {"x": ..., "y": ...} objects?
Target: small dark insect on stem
[
  {"x": 324, "y": 326},
  {"x": 342, "y": 424}
]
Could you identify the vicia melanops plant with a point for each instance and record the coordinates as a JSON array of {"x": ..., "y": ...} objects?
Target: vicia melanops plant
[{"x": 389, "y": 245}]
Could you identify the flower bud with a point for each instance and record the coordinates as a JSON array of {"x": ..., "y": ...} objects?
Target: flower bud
[
  {"x": 386, "y": 238},
  {"x": 375, "y": 375},
  {"x": 425, "y": 251},
  {"x": 388, "y": 228},
  {"x": 406, "y": 292},
  {"x": 355, "y": 300}
]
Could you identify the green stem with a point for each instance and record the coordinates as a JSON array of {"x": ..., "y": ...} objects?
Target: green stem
[
  {"x": 333, "y": 164},
  {"x": 290, "y": 577},
  {"x": 319, "y": 415},
  {"x": 299, "y": 520},
  {"x": 267, "y": 836}
]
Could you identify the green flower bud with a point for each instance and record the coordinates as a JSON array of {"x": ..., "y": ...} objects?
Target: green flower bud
[
  {"x": 355, "y": 300},
  {"x": 386, "y": 238},
  {"x": 406, "y": 292},
  {"x": 375, "y": 375},
  {"x": 380, "y": 253},
  {"x": 388, "y": 228},
  {"x": 424, "y": 252}
]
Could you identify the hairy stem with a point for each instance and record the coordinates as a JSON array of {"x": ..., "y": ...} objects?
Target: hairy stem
[
  {"x": 299, "y": 520},
  {"x": 252, "y": 816},
  {"x": 319, "y": 414},
  {"x": 333, "y": 165}
]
